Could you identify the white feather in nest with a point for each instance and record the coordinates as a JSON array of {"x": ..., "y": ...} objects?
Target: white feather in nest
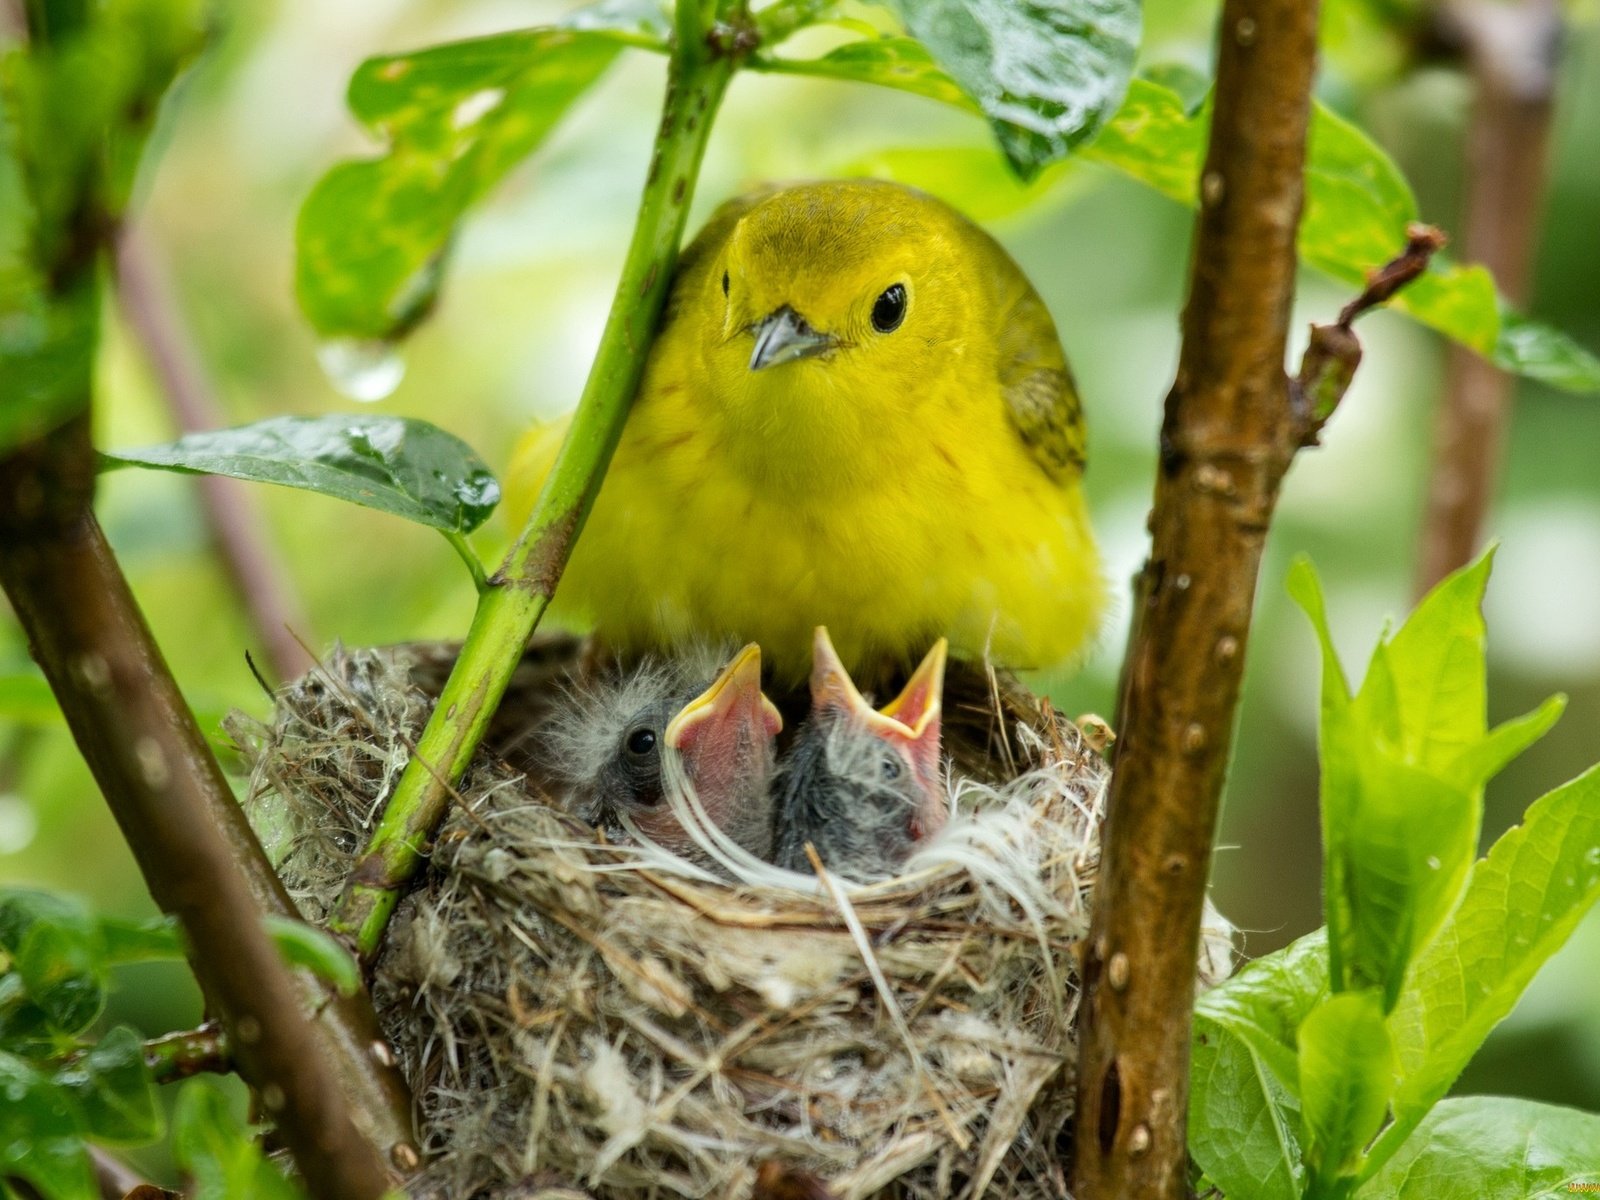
[{"x": 579, "y": 1014}]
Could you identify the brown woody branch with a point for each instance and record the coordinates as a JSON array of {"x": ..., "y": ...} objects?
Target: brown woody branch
[
  {"x": 252, "y": 568},
  {"x": 1229, "y": 435},
  {"x": 1511, "y": 52},
  {"x": 316, "y": 1079}
]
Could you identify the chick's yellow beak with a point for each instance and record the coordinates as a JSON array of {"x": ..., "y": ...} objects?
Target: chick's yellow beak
[
  {"x": 920, "y": 702},
  {"x": 784, "y": 337},
  {"x": 732, "y": 703},
  {"x": 911, "y": 716}
]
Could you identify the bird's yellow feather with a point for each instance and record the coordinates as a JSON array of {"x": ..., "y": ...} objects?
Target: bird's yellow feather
[{"x": 894, "y": 486}]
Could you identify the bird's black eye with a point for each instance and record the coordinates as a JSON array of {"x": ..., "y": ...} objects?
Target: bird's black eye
[
  {"x": 724, "y": 283},
  {"x": 889, "y": 768},
  {"x": 641, "y": 741},
  {"x": 889, "y": 309}
]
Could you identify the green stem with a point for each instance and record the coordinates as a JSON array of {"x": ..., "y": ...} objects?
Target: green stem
[
  {"x": 510, "y": 607},
  {"x": 463, "y": 548}
]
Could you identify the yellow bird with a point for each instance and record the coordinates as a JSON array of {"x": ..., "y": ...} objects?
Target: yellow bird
[{"x": 856, "y": 414}]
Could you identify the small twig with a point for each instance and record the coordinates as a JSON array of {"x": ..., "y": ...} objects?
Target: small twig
[
  {"x": 257, "y": 577},
  {"x": 1334, "y": 353},
  {"x": 1511, "y": 51},
  {"x": 1422, "y": 243},
  {"x": 188, "y": 1052}
]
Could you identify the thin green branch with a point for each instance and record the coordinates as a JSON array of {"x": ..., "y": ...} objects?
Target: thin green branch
[
  {"x": 463, "y": 548},
  {"x": 702, "y": 63}
]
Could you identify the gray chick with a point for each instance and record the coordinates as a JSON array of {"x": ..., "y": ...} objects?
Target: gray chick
[
  {"x": 862, "y": 786},
  {"x": 608, "y": 751}
]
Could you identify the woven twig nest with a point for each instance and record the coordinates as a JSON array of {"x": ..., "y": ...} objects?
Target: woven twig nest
[{"x": 578, "y": 1018}]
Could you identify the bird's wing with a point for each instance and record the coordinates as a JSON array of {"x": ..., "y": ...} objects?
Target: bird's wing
[{"x": 1041, "y": 397}]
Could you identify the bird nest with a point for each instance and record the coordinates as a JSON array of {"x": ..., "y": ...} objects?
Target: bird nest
[{"x": 582, "y": 1018}]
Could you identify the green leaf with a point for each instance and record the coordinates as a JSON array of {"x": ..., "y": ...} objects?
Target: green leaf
[
  {"x": 1047, "y": 73},
  {"x": 24, "y": 1027},
  {"x": 1491, "y": 1148},
  {"x": 898, "y": 62},
  {"x": 20, "y": 283},
  {"x": 114, "y": 1090},
  {"x": 320, "y": 953},
  {"x": 643, "y": 23},
  {"x": 46, "y": 356},
  {"x": 1242, "y": 1121},
  {"x": 156, "y": 940},
  {"x": 973, "y": 179},
  {"x": 373, "y": 234},
  {"x": 40, "y": 1139},
  {"x": 57, "y": 953},
  {"x": 782, "y": 18},
  {"x": 1265, "y": 1003},
  {"x": 219, "y": 1152},
  {"x": 1548, "y": 355},
  {"x": 74, "y": 112},
  {"x": 1441, "y": 678},
  {"x": 1403, "y": 768},
  {"x": 1357, "y": 208},
  {"x": 1521, "y": 903},
  {"x": 1347, "y": 1074},
  {"x": 27, "y": 699},
  {"x": 394, "y": 464},
  {"x": 1505, "y": 741}
]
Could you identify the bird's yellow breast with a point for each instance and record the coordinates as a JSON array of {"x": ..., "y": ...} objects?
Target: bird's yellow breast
[{"x": 879, "y": 489}]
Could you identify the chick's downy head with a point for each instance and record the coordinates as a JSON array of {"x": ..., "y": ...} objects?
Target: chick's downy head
[
  {"x": 611, "y": 751},
  {"x": 863, "y": 786}
]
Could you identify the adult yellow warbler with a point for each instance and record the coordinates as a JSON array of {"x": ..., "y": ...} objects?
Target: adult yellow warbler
[{"x": 856, "y": 414}]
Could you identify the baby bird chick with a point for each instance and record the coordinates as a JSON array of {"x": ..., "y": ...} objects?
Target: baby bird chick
[
  {"x": 610, "y": 752},
  {"x": 862, "y": 786}
]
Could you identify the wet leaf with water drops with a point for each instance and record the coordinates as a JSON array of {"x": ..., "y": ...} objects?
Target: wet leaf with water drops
[
  {"x": 57, "y": 952},
  {"x": 396, "y": 465},
  {"x": 1047, "y": 75},
  {"x": 374, "y": 233},
  {"x": 40, "y": 1136}
]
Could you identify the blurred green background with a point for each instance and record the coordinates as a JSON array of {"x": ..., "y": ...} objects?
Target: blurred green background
[{"x": 257, "y": 121}]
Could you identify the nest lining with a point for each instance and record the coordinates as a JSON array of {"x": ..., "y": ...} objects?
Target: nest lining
[{"x": 615, "y": 1021}]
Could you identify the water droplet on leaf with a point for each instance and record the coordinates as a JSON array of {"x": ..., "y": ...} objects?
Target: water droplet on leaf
[{"x": 365, "y": 369}]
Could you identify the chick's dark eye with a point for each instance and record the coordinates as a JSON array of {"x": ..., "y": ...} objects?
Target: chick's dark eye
[
  {"x": 889, "y": 309},
  {"x": 889, "y": 768},
  {"x": 724, "y": 283},
  {"x": 641, "y": 742}
]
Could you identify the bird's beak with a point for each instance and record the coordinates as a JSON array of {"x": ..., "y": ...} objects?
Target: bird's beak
[
  {"x": 918, "y": 706},
  {"x": 784, "y": 337},
  {"x": 718, "y": 721},
  {"x": 912, "y": 716},
  {"x": 910, "y": 721}
]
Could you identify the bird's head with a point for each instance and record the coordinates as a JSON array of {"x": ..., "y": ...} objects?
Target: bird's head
[
  {"x": 904, "y": 733},
  {"x": 836, "y": 291},
  {"x": 613, "y": 750}
]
